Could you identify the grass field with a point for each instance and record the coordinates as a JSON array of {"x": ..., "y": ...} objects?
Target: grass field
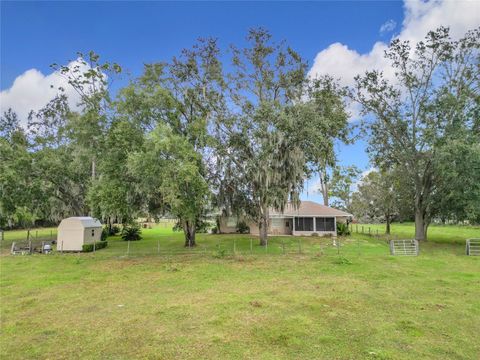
[
  {"x": 436, "y": 233},
  {"x": 296, "y": 300}
]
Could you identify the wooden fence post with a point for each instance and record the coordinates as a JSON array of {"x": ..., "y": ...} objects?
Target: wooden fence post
[
  {"x": 29, "y": 242},
  {"x": 251, "y": 246}
]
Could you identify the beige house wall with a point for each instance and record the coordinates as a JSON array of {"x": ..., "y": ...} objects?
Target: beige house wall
[
  {"x": 226, "y": 228},
  {"x": 320, "y": 233},
  {"x": 342, "y": 219},
  {"x": 277, "y": 226}
]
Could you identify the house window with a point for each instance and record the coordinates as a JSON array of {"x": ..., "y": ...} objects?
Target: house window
[
  {"x": 93, "y": 232},
  {"x": 232, "y": 221},
  {"x": 277, "y": 223},
  {"x": 304, "y": 224},
  {"x": 325, "y": 224}
]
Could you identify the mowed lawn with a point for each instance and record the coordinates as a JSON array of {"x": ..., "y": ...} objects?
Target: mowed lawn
[
  {"x": 437, "y": 233},
  {"x": 301, "y": 298}
]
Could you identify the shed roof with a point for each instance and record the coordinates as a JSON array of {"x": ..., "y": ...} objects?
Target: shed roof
[
  {"x": 309, "y": 208},
  {"x": 80, "y": 222}
]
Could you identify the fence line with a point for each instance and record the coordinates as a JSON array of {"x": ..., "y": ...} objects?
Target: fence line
[
  {"x": 239, "y": 247},
  {"x": 163, "y": 246}
]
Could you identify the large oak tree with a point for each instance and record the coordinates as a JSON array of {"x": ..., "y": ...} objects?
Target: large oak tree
[{"x": 432, "y": 101}]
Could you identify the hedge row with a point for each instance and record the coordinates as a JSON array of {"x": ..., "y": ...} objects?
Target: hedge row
[{"x": 98, "y": 245}]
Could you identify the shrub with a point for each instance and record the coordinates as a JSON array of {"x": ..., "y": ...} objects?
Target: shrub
[
  {"x": 242, "y": 228},
  {"x": 341, "y": 260},
  {"x": 214, "y": 230},
  {"x": 109, "y": 231},
  {"x": 177, "y": 226},
  {"x": 342, "y": 229},
  {"x": 114, "y": 230},
  {"x": 131, "y": 233},
  {"x": 99, "y": 245},
  {"x": 219, "y": 252},
  {"x": 202, "y": 226},
  {"x": 314, "y": 234},
  {"x": 104, "y": 235}
]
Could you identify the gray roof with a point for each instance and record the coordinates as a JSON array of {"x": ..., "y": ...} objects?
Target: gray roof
[
  {"x": 80, "y": 222},
  {"x": 309, "y": 208}
]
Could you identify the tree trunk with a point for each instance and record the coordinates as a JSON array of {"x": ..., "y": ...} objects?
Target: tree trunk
[
  {"x": 93, "y": 169},
  {"x": 189, "y": 231},
  {"x": 387, "y": 230},
  {"x": 420, "y": 225},
  {"x": 323, "y": 187},
  {"x": 263, "y": 227}
]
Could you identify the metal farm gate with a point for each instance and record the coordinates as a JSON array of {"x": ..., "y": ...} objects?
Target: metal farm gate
[
  {"x": 473, "y": 247},
  {"x": 404, "y": 247}
]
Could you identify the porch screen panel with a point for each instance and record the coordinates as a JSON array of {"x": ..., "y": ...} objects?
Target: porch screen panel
[
  {"x": 304, "y": 224},
  {"x": 320, "y": 224},
  {"x": 330, "y": 224},
  {"x": 325, "y": 224}
]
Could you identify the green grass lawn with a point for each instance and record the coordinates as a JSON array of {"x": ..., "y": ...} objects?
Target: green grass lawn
[
  {"x": 436, "y": 233},
  {"x": 296, "y": 300}
]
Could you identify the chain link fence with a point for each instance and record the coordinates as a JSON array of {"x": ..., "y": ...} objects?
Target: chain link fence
[{"x": 159, "y": 240}]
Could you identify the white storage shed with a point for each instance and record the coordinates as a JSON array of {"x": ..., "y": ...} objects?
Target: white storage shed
[{"x": 73, "y": 232}]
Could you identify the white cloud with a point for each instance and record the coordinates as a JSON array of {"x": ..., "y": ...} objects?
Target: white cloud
[
  {"x": 423, "y": 16},
  {"x": 388, "y": 26},
  {"x": 313, "y": 187},
  {"x": 420, "y": 17},
  {"x": 361, "y": 177},
  {"x": 32, "y": 90}
]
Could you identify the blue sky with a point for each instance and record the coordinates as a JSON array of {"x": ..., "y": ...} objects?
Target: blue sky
[
  {"x": 33, "y": 35},
  {"x": 36, "y": 34}
]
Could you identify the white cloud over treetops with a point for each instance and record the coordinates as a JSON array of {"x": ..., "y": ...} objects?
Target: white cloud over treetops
[
  {"x": 32, "y": 90},
  {"x": 420, "y": 17},
  {"x": 388, "y": 26}
]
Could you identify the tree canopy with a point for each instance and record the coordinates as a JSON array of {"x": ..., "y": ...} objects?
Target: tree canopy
[
  {"x": 430, "y": 105},
  {"x": 191, "y": 137}
]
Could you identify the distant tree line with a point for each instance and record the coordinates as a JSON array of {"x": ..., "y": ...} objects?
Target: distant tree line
[{"x": 191, "y": 137}]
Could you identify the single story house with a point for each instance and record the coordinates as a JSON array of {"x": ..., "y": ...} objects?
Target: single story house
[
  {"x": 74, "y": 232},
  {"x": 309, "y": 218}
]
